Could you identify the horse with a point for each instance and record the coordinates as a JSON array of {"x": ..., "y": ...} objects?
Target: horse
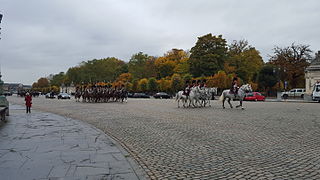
[
  {"x": 77, "y": 95},
  {"x": 241, "y": 93},
  {"x": 207, "y": 95},
  {"x": 194, "y": 96},
  {"x": 181, "y": 96},
  {"x": 123, "y": 96}
]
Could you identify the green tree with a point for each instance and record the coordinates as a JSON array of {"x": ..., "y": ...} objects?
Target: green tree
[
  {"x": 176, "y": 83},
  {"x": 135, "y": 84},
  {"x": 58, "y": 79},
  {"x": 208, "y": 55},
  {"x": 137, "y": 65},
  {"x": 244, "y": 59},
  {"x": 152, "y": 85},
  {"x": 267, "y": 77}
]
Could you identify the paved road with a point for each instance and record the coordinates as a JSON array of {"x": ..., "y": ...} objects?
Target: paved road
[
  {"x": 268, "y": 140},
  {"x": 47, "y": 146}
]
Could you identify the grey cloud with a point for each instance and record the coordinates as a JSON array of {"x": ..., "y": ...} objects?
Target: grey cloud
[{"x": 44, "y": 37}]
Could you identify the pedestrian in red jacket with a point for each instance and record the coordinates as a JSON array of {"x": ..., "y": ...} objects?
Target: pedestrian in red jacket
[{"x": 28, "y": 100}]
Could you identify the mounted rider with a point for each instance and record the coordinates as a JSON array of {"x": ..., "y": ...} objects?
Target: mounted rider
[
  {"x": 187, "y": 90},
  {"x": 234, "y": 86}
]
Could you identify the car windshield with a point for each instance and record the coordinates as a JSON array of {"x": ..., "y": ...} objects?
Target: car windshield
[{"x": 250, "y": 94}]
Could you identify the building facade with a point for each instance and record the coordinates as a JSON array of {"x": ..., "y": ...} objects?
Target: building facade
[{"x": 312, "y": 74}]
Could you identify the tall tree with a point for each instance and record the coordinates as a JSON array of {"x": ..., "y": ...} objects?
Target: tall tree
[
  {"x": 268, "y": 76},
  {"x": 152, "y": 85},
  {"x": 137, "y": 65},
  {"x": 58, "y": 79},
  {"x": 243, "y": 60},
  {"x": 176, "y": 83},
  {"x": 43, "y": 82},
  {"x": 292, "y": 61},
  {"x": 208, "y": 55}
]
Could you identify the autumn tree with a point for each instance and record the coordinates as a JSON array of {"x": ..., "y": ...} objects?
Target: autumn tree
[
  {"x": 174, "y": 61},
  {"x": 208, "y": 55},
  {"x": 292, "y": 61},
  {"x": 43, "y": 82},
  {"x": 243, "y": 60},
  {"x": 164, "y": 85},
  {"x": 142, "y": 85},
  {"x": 125, "y": 77}
]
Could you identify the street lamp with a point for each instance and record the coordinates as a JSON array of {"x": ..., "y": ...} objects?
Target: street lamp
[{"x": 0, "y": 21}]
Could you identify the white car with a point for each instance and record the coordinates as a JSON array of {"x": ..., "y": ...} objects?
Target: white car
[
  {"x": 299, "y": 92},
  {"x": 316, "y": 92}
]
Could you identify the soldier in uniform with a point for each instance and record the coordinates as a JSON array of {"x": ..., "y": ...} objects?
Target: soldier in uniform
[
  {"x": 234, "y": 86},
  {"x": 187, "y": 90}
]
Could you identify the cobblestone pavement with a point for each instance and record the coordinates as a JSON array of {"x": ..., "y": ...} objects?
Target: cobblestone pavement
[
  {"x": 267, "y": 140},
  {"x": 48, "y": 146}
]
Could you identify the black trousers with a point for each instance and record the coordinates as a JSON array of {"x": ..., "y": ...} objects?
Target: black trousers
[{"x": 28, "y": 109}]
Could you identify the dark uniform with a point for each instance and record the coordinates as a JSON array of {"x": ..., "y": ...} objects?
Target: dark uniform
[{"x": 234, "y": 86}]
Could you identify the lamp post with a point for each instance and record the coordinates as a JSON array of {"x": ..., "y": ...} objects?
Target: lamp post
[{"x": 0, "y": 21}]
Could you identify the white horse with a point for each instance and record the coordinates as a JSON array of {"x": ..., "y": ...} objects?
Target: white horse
[
  {"x": 182, "y": 97},
  {"x": 194, "y": 97},
  {"x": 241, "y": 93},
  {"x": 207, "y": 95}
]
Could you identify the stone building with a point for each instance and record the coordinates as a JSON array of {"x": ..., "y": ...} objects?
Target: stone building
[{"x": 312, "y": 74}]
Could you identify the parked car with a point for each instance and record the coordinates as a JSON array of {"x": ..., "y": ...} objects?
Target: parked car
[
  {"x": 7, "y": 93},
  {"x": 254, "y": 96},
  {"x": 161, "y": 95},
  {"x": 130, "y": 95},
  {"x": 64, "y": 96},
  {"x": 298, "y": 92},
  {"x": 4, "y": 104},
  {"x": 50, "y": 95},
  {"x": 316, "y": 92},
  {"x": 140, "y": 95}
]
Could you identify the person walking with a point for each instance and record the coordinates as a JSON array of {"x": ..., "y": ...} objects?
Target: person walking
[{"x": 28, "y": 100}]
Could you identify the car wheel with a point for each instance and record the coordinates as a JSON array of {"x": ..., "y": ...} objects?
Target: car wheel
[
  {"x": 302, "y": 96},
  {"x": 7, "y": 112},
  {"x": 285, "y": 96}
]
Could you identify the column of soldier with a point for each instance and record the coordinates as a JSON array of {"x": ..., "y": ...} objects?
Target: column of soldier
[{"x": 101, "y": 93}]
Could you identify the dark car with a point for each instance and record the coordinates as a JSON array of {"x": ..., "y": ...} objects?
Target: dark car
[
  {"x": 64, "y": 96},
  {"x": 161, "y": 95},
  {"x": 140, "y": 95},
  {"x": 7, "y": 93},
  {"x": 130, "y": 95}
]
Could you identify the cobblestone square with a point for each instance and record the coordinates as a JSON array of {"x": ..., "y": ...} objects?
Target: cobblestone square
[{"x": 267, "y": 140}]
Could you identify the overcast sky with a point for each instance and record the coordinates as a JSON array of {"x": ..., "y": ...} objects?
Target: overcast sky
[{"x": 42, "y": 37}]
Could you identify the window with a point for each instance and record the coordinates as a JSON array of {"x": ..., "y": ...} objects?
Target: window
[{"x": 299, "y": 90}]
